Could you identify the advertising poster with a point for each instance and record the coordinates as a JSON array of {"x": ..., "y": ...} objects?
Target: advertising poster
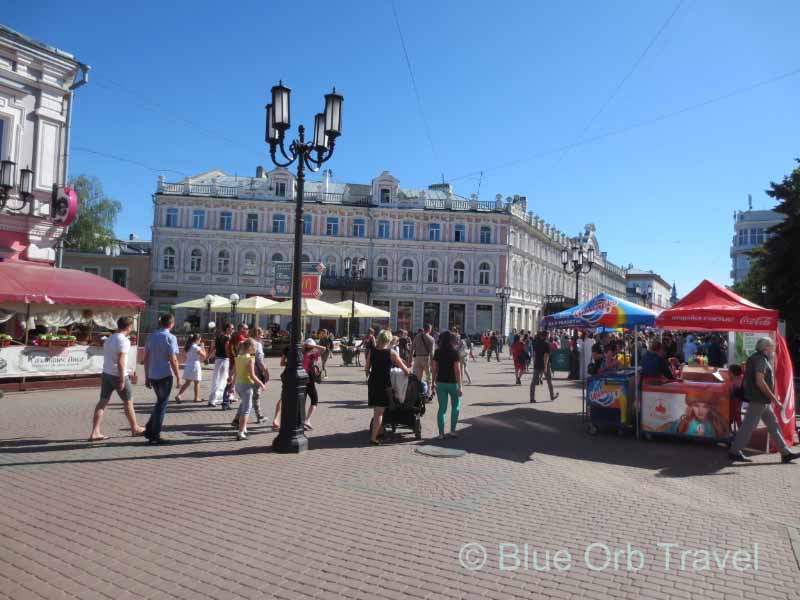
[
  {"x": 34, "y": 361},
  {"x": 607, "y": 393},
  {"x": 310, "y": 282},
  {"x": 687, "y": 411}
]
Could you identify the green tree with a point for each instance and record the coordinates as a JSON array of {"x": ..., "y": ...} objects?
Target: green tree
[
  {"x": 93, "y": 228},
  {"x": 778, "y": 264}
]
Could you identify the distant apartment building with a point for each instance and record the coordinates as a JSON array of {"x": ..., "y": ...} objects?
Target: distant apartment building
[
  {"x": 649, "y": 289},
  {"x": 750, "y": 230}
]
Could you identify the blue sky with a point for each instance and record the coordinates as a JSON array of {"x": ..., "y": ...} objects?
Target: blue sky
[{"x": 181, "y": 87}]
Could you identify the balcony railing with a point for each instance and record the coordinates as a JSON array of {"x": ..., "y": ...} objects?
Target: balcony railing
[{"x": 339, "y": 282}]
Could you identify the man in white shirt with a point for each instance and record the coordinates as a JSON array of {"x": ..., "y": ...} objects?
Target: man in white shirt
[{"x": 115, "y": 377}]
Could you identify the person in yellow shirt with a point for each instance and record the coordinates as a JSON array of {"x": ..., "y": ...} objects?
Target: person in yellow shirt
[{"x": 245, "y": 380}]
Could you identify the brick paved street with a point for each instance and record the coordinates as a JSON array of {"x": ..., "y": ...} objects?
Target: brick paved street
[{"x": 209, "y": 517}]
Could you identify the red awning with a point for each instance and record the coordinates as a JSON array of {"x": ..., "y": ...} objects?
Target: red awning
[
  {"x": 711, "y": 307},
  {"x": 28, "y": 283}
]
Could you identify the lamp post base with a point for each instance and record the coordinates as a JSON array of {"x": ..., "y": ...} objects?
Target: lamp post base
[
  {"x": 293, "y": 442},
  {"x": 292, "y": 439}
]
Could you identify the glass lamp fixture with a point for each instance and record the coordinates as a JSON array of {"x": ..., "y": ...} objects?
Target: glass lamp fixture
[
  {"x": 333, "y": 114},
  {"x": 280, "y": 106}
]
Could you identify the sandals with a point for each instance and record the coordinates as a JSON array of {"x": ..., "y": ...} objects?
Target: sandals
[
  {"x": 178, "y": 400},
  {"x": 102, "y": 438},
  {"x": 375, "y": 442}
]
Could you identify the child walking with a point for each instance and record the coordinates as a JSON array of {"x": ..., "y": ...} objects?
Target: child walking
[
  {"x": 192, "y": 370},
  {"x": 245, "y": 380}
]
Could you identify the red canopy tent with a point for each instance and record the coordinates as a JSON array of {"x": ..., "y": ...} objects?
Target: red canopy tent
[
  {"x": 23, "y": 282},
  {"x": 711, "y": 307}
]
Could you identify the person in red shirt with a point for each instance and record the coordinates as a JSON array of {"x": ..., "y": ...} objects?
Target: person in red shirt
[
  {"x": 520, "y": 355},
  {"x": 242, "y": 333}
]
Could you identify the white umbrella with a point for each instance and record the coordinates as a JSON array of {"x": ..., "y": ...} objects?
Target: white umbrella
[
  {"x": 254, "y": 305},
  {"x": 309, "y": 307},
  {"x": 362, "y": 310},
  {"x": 216, "y": 303}
]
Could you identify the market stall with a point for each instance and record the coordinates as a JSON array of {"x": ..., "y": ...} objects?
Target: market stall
[
  {"x": 38, "y": 303},
  {"x": 699, "y": 405},
  {"x": 610, "y": 397}
]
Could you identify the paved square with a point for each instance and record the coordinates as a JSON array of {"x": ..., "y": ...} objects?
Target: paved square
[{"x": 210, "y": 517}]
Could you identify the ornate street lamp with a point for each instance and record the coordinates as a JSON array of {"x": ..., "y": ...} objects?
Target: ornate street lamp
[
  {"x": 234, "y": 299},
  {"x": 354, "y": 270},
  {"x": 327, "y": 127},
  {"x": 578, "y": 260},
  {"x": 209, "y": 299},
  {"x": 503, "y": 293},
  {"x": 8, "y": 181}
]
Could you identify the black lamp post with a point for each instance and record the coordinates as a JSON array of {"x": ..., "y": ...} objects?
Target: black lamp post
[
  {"x": 578, "y": 260},
  {"x": 354, "y": 270},
  {"x": 8, "y": 181},
  {"x": 234, "y": 301},
  {"x": 503, "y": 293},
  {"x": 327, "y": 127}
]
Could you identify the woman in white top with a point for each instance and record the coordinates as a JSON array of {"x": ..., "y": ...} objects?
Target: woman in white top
[{"x": 192, "y": 371}]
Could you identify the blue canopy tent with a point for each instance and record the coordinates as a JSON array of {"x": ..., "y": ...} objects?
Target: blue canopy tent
[{"x": 605, "y": 311}]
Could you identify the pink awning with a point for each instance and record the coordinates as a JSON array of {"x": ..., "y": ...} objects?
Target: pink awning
[{"x": 29, "y": 283}]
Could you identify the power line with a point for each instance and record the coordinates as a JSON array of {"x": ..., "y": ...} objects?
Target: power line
[
  {"x": 414, "y": 86},
  {"x": 662, "y": 117},
  {"x": 125, "y": 160},
  {"x": 627, "y": 76}
]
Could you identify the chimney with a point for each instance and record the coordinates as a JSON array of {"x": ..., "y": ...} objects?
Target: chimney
[
  {"x": 259, "y": 172},
  {"x": 132, "y": 237},
  {"x": 327, "y": 173}
]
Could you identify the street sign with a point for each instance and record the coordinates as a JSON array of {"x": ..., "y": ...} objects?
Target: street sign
[{"x": 311, "y": 274}]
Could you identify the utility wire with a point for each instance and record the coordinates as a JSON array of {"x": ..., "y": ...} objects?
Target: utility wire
[
  {"x": 125, "y": 160},
  {"x": 615, "y": 132},
  {"x": 627, "y": 76},
  {"x": 414, "y": 86}
]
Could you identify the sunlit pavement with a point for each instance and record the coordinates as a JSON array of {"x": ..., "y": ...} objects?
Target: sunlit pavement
[{"x": 209, "y": 517}]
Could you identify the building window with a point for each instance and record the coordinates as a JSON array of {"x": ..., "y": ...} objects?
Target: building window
[
  {"x": 405, "y": 312},
  {"x": 120, "y": 277},
  {"x": 383, "y": 305},
  {"x": 92, "y": 270},
  {"x": 382, "y": 269},
  {"x": 408, "y": 230},
  {"x": 386, "y": 195},
  {"x": 250, "y": 263},
  {"x": 407, "y": 270},
  {"x": 224, "y": 262},
  {"x": 169, "y": 258},
  {"x": 330, "y": 266},
  {"x": 431, "y": 314},
  {"x": 306, "y": 258},
  {"x": 458, "y": 272},
  {"x": 226, "y": 221},
  {"x": 276, "y": 258},
  {"x": 760, "y": 236},
  {"x": 460, "y": 233},
  {"x": 433, "y": 272},
  {"x": 172, "y": 217},
  {"x": 486, "y": 234},
  {"x": 359, "y": 228},
  {"x": 484, "y": 272},
  {"x": 252, "y": 222},
  {"x": 199, "y": 219},
  {"x": 742, "y": 237},
  {"x": 434, "y": 232},
  {"x": 384, "y": 229},
  {"x": 307, "y": 224},
  {"x": 278, "y": 223},
  {"x": 332, "y": 226},
  {"x": 280, "y": 189},
  {"x": 196, "y": 261}
]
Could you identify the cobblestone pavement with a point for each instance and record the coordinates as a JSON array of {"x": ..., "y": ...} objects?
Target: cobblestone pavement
[{"x": 209, "y": 517}]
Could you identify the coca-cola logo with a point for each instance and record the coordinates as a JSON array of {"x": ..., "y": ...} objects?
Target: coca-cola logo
[{"x": 756, "y": 321}]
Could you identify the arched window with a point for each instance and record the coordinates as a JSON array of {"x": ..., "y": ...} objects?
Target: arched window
[
  {"x": 306, "y": 258},
  {"x": 277, "y": 257},
  {"x": 224, "y": 262},
  {"x": 382, "y": 269},
  {"x": 169, "y": 258},
  {"x": 407, "y": 270},
  {"x": 330, "y": 266},
  {"x": 250, "y": 263},
  {"x": 433, "y": 272},
  {"x": 458, "y": 272},
  {"x": 196, "y": 261},
  {"x": 484, "y": 273}
]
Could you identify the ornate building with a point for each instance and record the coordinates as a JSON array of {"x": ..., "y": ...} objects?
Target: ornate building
[{"x": 432, "y": 256}]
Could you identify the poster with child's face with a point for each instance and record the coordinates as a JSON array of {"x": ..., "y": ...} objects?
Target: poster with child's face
[{"x": 687, "y": 412}]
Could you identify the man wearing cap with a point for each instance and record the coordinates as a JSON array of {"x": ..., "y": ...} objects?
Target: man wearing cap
[{"x": 759, "y": 391}]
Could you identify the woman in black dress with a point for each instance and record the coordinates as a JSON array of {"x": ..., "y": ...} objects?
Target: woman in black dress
[{"x": 379, "y": 384}]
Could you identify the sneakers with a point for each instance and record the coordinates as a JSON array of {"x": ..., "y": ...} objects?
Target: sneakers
[
  {"x": 241, "y": 435},
  {"x": 738, "y": 457},
  {"x": 789, "y": 457}
]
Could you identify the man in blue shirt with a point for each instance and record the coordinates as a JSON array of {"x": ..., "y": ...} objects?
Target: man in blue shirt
[
  {"x": 654, "y": 362},
  {"x": 160, "y": 363}
]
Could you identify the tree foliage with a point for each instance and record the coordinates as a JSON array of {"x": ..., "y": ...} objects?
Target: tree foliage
[
  {"x": 777, "y": 264},
  {"x": 93, "y": 228}
]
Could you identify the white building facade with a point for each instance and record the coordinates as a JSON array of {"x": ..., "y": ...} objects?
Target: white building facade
[
  {"x": 750, "y": 230},
  {"x": 432, "y": 256},
  {"x": 36, "y": 85},
  {"x": 649, "y": 289}
]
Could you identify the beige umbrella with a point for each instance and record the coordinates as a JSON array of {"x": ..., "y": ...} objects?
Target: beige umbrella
[
  {"x": 254, "y": 305},
  {"x": 309, "y": 307},
  {"x": 362, "y": 310},
  {"x": 216, "y": 304}
]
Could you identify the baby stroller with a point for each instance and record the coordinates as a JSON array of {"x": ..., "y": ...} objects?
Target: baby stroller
[
  {"x": 349, "y": 356},
  {"x": 406, "y": 411}
]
